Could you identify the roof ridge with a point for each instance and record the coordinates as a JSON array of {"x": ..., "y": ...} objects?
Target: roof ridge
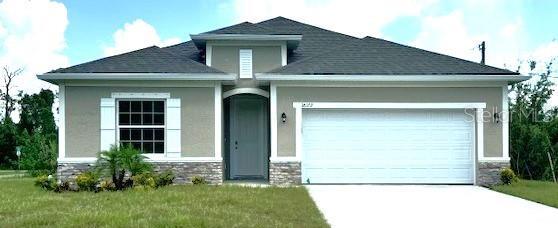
[
  {"x": 309, "y": 25},
  {"x": 366, "y": 38}
]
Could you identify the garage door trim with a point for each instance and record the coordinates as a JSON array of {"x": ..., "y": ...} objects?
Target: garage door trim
[{"x": 477, "y": 106}]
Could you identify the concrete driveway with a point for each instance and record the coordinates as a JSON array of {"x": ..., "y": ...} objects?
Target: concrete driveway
[{"x": 427, "y": 206}]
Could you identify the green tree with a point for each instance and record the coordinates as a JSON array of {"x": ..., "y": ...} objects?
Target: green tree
[
  {"x": 36, "y": 114},
  {"x": 533, "y": 131},
  {"x": 8, "y": 142},
  {"x": 38, "y": 154}
]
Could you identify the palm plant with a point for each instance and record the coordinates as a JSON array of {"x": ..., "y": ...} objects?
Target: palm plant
[{"x": 118, "y": 161}]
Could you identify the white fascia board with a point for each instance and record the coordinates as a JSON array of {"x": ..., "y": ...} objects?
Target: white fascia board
[
  {"x": 55, "y": 77},
  {"x": 254, "y": 37},
  {"x": 390, "y": 78}
]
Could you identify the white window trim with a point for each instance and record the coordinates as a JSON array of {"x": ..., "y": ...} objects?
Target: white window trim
[
  {"x": 284, "y": 54},
  {"x": 165, "y": 96},
  {"x": 164, "y": 127}
]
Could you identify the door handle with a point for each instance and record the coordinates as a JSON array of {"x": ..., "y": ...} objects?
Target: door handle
[{"x": 236, "y": 145}]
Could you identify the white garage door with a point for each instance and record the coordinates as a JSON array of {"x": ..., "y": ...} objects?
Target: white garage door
[{"x": 387, "y": 146}]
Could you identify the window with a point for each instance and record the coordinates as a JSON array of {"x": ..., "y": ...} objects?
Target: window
[
  {"x": 141, "y": 123},
  {"x": 245, "y": 63}
]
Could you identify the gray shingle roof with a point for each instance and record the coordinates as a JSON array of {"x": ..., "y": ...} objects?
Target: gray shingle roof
[
  {"x": 319, "y": 52},
  {"x": 372, "y": 56},
  {"x": 148, "y": 60}
]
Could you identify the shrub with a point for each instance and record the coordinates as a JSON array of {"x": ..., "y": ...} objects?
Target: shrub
[
  {"x": 165, "y": 178},
  {"x": 508, "y": 176},
  {"x": 198, "y": 180},
  {"x": 144, "y": 180},
  {"x": 46, "y": 182},
  {"x": 105, "y": 185},
  {"x": 61, "y": 186},
  {"x": 38, "y": 155},
  {"x": 86, "y": 181},
  {"x": 119, "y": 161}
]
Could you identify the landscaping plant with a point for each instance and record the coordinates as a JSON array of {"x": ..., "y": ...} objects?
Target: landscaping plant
[{"x": 120, "y": 162}]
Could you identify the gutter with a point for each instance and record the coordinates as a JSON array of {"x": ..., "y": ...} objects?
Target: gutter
[
  {"x": 60, "y": 77},
  {"x": 391, "y": 78}
]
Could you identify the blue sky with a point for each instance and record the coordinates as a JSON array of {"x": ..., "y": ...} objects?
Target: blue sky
[{"x": 41, "y": 35}]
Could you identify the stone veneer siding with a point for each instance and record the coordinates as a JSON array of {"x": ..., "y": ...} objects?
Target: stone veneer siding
[
  {"x": 488, "y": 173},
  {"x": 284, "y": 173},
  {"x": 184, "y": 171}
]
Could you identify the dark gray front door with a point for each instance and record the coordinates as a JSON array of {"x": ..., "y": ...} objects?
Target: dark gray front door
[{"x": 248, "y": 144}]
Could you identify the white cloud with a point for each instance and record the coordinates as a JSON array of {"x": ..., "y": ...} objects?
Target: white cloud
[
  {"x": 32, "y": 38},
  {"x": 358, "y": 18},
  {"x": 136, "y": 35},
  {"x": 448, "y": 34}
]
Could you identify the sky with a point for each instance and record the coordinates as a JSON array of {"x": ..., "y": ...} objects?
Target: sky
[{"x": 42, "y": 35}]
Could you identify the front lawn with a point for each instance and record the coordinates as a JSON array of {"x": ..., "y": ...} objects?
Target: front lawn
[
  {"x": 24, "y": 205},
  {"x": 539, "y": 191}
]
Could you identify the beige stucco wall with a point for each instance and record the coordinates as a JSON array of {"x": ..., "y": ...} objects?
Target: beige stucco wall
[
  {"x": 287, "y": 95},
  {"x": 265, "y": 58},
  {"x": 83, "y": 118}
]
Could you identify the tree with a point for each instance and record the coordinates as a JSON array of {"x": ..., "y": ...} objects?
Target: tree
[
  {"x": 38, "y": 154},
  {"x": 534, "y": 131},
  {"x": 8, "y": 142},
  {"x": 119, "y": 161},
  {"x": 9, "y": 102},
  {"x": 36, "y": 114}
]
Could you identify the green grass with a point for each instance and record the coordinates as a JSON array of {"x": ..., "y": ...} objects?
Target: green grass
[
  {"x": 12, "y": 172},
  {"x": 539, "y": 191},
  {"x": 24, "y": 205}
]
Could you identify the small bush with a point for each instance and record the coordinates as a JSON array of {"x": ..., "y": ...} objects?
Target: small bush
[
  {"x": 165, "y": 178},
  {"x": 508, "y": 176},
  {"x": 46, "y": 182},
  {"x": 62, "y": 186},
  {"x": 105, "y": 185},
  {"x": 197, "y": 180},
  {"x": 86, "y": 181},
  {"x": 144, "y": 180}
]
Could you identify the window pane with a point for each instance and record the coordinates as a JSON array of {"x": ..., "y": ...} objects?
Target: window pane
[
  {"x": 147, "y": 134},
  {"x": 159, "y": 106},
  {"x": 136, "y": 119},
  {"x": 159, "y": 134},
  {"x": 159, "y": 119},
  {"x": 124, "y": 119},
  {"x": 124, "y": 106},
  {"x": 136, "y": 145},
  {"x": 125, "y": 134},
  {"x": 135, "y": 134},
  {"x": 147, "y": 147},
  {"x": 159, "y": 148},
  {"x": 147, "y": 119},
  {"x": 148, "y": 106},
  {"x": 136, "y": 106}
]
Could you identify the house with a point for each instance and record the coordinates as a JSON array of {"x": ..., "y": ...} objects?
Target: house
[{"x": 290, "y": 103}]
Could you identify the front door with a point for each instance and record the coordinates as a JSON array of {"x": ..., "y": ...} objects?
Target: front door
[{"x": 248, "y": 133}]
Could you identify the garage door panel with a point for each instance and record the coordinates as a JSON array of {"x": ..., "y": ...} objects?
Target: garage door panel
[{"x": 394, "y": 146}]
